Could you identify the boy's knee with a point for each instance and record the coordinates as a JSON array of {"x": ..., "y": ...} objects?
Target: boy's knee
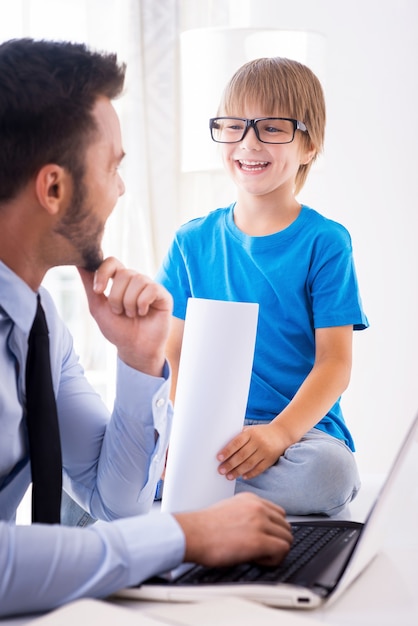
[
  {"x": 317, "y": 476},
  {"x": 330, "y": 480}
]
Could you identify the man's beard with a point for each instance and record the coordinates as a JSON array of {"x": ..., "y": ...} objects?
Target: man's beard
[{"x": 82, "y": 228}]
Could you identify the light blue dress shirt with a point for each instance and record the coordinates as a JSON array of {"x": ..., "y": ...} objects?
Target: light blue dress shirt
[{"x": 111, "y": 464}]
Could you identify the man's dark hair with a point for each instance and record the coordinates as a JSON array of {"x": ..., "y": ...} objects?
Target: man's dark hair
[{"x": 47, "y": 92}]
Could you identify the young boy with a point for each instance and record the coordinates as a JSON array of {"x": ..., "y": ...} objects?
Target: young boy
[{"x": 266, "y": 247}]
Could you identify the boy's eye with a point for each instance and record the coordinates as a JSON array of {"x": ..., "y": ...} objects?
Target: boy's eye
[
  {"x": 269, "y": 130},
  {"x": 235, "y": 126},
  {"x": 274, "y": 129}
]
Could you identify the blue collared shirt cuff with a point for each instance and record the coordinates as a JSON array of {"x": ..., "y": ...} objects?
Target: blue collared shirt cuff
[{"x": 131, "y": 382}]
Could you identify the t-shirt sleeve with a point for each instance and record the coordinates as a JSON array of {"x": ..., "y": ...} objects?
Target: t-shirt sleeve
[
  {"x": 174, "y": 276},
  {"x": 334, "y": 286}
]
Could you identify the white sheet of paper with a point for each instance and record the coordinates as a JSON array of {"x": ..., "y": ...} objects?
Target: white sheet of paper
[{"x": 211, "y": 399}]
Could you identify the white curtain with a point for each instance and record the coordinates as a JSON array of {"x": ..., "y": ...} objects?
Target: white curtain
[{"x": 145, "y": 221}]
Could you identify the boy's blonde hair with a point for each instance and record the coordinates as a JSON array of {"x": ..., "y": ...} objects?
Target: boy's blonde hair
[{"x": 281, "y": 87}]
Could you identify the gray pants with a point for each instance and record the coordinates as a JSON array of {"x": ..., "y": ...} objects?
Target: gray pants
[
  {"x": 72, "y": 514},
  {"x": 318, "y": 475}
]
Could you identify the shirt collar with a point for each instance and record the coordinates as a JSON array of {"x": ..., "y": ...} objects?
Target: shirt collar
[{"x": 17, "y": 299}]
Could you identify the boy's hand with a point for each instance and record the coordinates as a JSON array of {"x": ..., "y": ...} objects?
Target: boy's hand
[{"x": 250, "y": 453}]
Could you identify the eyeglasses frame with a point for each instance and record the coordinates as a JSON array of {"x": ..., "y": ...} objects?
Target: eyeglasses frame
[{"x": 297, "y": 125}]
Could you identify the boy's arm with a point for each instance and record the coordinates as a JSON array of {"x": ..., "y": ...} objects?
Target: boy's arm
[
  {"x": 173, "y": 350},
  {"x": 257, "y": 448}
]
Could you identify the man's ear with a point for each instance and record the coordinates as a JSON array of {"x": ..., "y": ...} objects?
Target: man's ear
[{"x": 52, "y": 187}]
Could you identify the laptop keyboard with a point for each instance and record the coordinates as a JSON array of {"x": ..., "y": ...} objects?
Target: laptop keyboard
[{"x": 307, "y": 543}]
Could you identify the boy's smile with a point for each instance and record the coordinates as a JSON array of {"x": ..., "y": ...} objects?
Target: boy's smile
[{"x": 253, "y": 166}]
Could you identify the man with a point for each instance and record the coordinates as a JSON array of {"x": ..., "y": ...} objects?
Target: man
[{"x": 60, "y": 150}]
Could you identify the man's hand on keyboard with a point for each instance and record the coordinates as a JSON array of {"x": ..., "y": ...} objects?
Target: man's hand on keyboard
[{"x": 239, "y": 529}]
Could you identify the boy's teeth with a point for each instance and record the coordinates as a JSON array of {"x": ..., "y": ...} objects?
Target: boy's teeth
[{"x": 253, "y": 165}]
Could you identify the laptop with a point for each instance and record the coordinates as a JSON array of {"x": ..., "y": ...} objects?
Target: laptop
[{"x": 327, "y": 555}]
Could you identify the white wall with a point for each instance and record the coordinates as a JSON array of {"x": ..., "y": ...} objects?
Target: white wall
[{"x": 368, "y": 181}]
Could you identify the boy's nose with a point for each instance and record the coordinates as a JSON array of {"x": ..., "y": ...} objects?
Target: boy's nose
[{"x": 250, "y": 140}]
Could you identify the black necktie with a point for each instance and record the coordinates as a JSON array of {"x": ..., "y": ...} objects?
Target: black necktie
[{"x": 43, "y": 430}]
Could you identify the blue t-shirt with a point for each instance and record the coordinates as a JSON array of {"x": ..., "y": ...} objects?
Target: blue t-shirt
[{"x": 302, "y": 277}]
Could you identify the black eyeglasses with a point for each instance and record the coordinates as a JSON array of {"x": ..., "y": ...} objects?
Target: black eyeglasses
[{"x": 267, "y": 129}]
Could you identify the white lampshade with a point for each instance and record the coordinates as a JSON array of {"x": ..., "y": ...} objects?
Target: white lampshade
[{"x": 209, "y": 57}]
